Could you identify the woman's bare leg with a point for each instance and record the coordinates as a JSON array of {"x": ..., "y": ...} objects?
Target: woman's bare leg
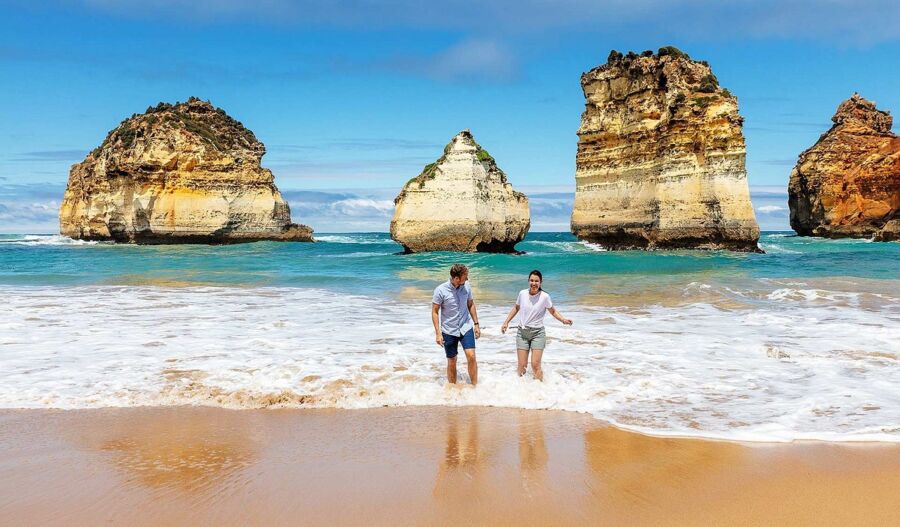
[
  {"x": 523, "y": 361},
  {"x": 536, "y": 355}
]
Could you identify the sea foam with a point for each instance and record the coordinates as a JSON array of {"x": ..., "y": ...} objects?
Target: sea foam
[
  {"x": 796, "y": 365},
  {"x": 45, "y": 239}
]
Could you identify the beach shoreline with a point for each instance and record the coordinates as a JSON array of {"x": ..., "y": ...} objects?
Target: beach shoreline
[{"x": 193, "y": 465}]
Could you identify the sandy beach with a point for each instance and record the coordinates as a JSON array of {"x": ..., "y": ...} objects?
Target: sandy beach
[{"x": 418, "y": 466}]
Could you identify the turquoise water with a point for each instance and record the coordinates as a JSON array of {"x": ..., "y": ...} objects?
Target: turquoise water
[
  {"x": 802, "y": 342},
  {"x": 370, "y": 263}
]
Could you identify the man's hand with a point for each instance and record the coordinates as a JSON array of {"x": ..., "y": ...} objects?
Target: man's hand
[
  {"x": 567, "y": 322},
  {"x": 439, "y": 339},
  {"x": 504, "y": 327},
  {"x": 477, "y": 332}
]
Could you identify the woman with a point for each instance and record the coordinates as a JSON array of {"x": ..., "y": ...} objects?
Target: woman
[{"x": 534, "y": 303}]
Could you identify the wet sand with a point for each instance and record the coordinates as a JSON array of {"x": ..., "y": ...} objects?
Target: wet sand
[{"x": 418, "y": 466}]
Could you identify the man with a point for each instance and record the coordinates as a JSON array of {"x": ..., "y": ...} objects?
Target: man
[{"x": 456, "y": 320}]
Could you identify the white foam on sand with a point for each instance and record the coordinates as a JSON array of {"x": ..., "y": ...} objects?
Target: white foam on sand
[{"x": 800, "y": 364}]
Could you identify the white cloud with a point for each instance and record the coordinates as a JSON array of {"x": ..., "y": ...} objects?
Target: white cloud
[
  {"x": 470, "y": 60},
  {"x": 363, "y": 207},
  {"x": 475, "y": 59}
]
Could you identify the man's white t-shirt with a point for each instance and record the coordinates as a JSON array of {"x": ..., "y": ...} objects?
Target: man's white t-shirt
[{"x": 532, "y": 308}]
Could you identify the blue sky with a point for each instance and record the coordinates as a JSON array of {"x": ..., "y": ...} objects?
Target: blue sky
[{"x": 353, "y": 98}]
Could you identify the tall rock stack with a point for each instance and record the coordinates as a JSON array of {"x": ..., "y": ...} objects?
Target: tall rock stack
[
  {"x": 183, "y": 173},
  {"x": 461, "y": 202},
  {"x": 848, "y": 183},
  {"x": 660, "y": 161}
]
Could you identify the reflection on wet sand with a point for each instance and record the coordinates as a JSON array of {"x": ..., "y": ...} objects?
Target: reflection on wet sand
[
  {"x": 533, "y": 455},
  {"x": 469, "y": 454},
  {"x": 462, "y": 446},
  {"x": 418, "y": 466},
  {"x": 465, "y": 457},
  {"x": 177, "y": 453}
]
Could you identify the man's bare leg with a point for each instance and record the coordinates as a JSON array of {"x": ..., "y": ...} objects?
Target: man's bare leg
[
  {"x": 451, "y": 370},
  {"x": 523, "y": 361},
  {"x": 472, "y": 365},
  {"x": 536, "y": 364}
]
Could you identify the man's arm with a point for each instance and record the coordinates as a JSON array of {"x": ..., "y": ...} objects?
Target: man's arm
[
  {"x": 435, "y": 319},
  {"x": 474, "y": 313}
]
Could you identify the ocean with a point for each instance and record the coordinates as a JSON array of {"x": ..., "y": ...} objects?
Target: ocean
[{"x": 802, "y": 342}]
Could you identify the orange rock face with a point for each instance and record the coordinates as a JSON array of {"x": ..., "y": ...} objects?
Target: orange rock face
[{"x": 848, "y": 183}]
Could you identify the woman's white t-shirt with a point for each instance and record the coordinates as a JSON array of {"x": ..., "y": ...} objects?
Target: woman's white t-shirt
[{"x": 532, "y": 308}]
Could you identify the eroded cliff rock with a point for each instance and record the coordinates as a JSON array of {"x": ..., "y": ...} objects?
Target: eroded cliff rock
[
  {"x": 660, "y": 160},
  {"x": 461, "y": 202},
  {"x": 848, "y": 183},
  {"x": 183, "y": 173}
]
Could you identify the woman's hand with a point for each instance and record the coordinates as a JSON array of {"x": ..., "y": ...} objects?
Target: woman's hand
[
  {"x": 567, "y": 322},
  {"x": 504, "y": 327}
]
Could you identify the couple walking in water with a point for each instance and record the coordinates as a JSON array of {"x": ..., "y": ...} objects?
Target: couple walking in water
[{"x": 455, "y": 320}]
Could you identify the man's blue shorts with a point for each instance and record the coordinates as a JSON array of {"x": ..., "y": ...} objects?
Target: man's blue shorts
[{"x": 451, "y": 342}]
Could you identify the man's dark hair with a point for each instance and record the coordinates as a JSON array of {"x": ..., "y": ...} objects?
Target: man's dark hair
[{"x": 458, "y": 270}]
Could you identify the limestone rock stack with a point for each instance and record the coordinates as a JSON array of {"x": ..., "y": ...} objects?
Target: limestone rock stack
[
  {"x": 660, "y": 160},
  {"x": 461, "y": 202},
  {"x": 183, "y": 173},
  {"x": 848, "y": 183}
]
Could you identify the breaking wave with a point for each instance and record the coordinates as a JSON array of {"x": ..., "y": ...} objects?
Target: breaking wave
[{"x": 791, "y": 364}]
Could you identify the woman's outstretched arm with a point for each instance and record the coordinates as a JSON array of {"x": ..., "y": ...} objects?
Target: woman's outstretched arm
[
  {"x": 558, "y": 316},
  {"x": 512, "y": 313}
]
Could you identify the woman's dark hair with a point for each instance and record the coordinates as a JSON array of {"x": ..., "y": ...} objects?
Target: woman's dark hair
[{"x": 540, "y": 277}]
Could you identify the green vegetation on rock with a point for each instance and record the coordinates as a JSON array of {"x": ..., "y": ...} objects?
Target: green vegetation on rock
[
  {"x": 703, "y": 102},
  {"x": 483, "y": 155},
  {"x": 673, "y": 52},
  {"x": 127, "y": 135},
  {"x": 709, "y": 84},
  {"x": 200, "y": 128}
]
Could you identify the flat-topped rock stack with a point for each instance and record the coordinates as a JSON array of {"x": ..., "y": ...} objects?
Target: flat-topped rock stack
[
  {"x": 660, "y": 162},
  {"x": 848, "y": 183},
  {"x": 182, "y": 173},
  {"x": 461, "y": 202}
]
